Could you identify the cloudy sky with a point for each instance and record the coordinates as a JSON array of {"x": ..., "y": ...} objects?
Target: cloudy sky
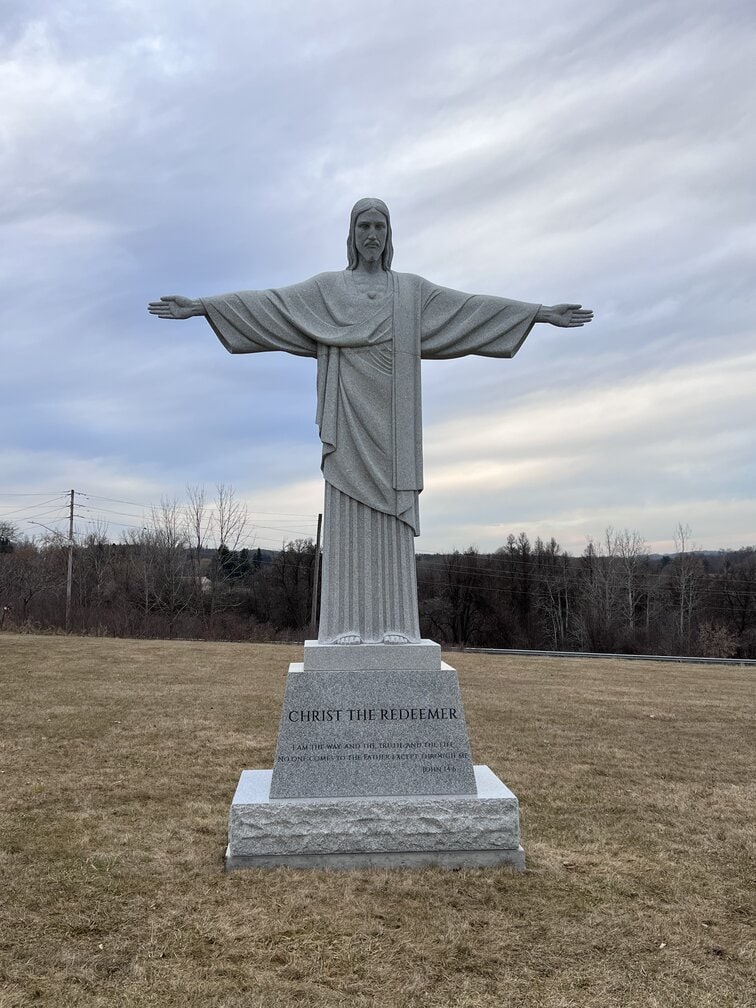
[{"x": 590, "y": 150}]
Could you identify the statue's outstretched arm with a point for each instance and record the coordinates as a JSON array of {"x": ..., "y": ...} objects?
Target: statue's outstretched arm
[
  {"x": 176, "y": 306},
  {"x": 567, "y": 316}
]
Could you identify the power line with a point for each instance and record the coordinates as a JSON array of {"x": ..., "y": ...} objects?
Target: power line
[
  {"x": 43, "y": 514},
  {"x": 31, "y": 507},
  {"x": 574, "y": 567},
  {"x": 709, "y": 585},
  {"x": 506, "y": 563},
  {"x": 188, "y": 507},
  {"x": 125, "y": 514},
  {"x": 38, "y": 493},
  {"x": 245, "y": 544},
  {"x": 702, "y": 601}
]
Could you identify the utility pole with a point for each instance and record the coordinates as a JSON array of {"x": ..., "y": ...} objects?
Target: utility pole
[
  {"x": 69, "y": 579},
  {"x": 316, "y": 581}
]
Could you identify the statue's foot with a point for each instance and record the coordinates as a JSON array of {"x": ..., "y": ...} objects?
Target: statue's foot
[
  {"x": 395, "y": 638},
  {"x": 348, "y": 638}
]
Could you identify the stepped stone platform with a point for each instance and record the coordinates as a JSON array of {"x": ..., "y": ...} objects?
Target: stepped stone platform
[{"x": 373, "y": 769}]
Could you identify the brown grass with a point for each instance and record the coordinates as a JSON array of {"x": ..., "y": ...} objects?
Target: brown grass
[{"x": 119, "y": 759}]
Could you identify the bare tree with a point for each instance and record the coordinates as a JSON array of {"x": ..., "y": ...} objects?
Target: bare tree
[
  {"x": 596, "y": 623},
  {"x": 231, "y": 517},
  {"x": 229, "y": 526},
  {"x": 459, "y": 607},
  {"x": 94, "y": 583},
  {"x": 198, "y": 524},
  {"x": 32, "y": 571},
  {"x": 735, "y": 598},
  {"x": 159, "y": 567},
  {"x": 686, "y": 580},
  {"x": 631, "y": 551},
  {"x": 555, "y": 592},
  {"x": 8, "y": 536},
  {"x": 291, "y": 575}
]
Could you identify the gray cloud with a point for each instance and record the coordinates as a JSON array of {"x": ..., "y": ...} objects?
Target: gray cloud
[{"x": 594, "y": 151}]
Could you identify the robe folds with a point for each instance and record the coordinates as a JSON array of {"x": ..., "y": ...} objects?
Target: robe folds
[{"x": 369, "y": 411}]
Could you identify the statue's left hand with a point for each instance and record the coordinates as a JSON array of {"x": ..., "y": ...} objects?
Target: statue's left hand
[
  {"x": 176, "y": 306},
  {"x": 568, "y": 316}
]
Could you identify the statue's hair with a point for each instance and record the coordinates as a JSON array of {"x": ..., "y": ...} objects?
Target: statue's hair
[{"x": 369, "y": 203}]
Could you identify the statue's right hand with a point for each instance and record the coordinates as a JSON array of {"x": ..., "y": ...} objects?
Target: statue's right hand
[{"x": 175, "y": 306}]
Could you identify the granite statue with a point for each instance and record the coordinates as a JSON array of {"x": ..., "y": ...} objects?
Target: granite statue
[{"x": 369, "y": 328}]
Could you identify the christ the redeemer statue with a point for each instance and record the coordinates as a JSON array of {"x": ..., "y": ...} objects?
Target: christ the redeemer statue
[{"x": 369, "y": 327}]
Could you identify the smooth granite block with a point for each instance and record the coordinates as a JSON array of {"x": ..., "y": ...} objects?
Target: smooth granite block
[
  {"x": 456, "y": 830},
  {"x": 422, "y": 656},
  {"x": 372, "y": 733}
]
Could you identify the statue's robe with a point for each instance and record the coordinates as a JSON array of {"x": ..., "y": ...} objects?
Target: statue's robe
[{"x": 369, "y": 417}]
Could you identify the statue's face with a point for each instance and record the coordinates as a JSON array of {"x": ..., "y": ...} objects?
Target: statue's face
[{"x": 370, "y": 230}]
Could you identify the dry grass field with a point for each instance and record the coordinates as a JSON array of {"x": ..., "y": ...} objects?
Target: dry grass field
[{"x": 119, "y": 760}]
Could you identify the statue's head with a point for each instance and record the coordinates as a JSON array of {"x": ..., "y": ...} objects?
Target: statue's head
[{"x": 366, "y": 206}]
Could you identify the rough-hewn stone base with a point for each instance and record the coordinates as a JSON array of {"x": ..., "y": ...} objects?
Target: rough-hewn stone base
[
  {"x": 452, "y": 831},
  {"x": 414, "y": 859}
]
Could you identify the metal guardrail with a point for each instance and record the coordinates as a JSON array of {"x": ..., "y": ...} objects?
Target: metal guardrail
[{"x": 623, "y": 657}]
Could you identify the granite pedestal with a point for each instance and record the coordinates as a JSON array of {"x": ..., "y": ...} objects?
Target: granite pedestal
[
  {"x": 373, "y": 769},
  {"x": 452, "y": 831},
  {"x": 386, "y": 720}
]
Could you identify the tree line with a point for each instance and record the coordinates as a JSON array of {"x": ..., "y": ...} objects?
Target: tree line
[
  {"x": 167, "y": 580},
  {"x": 613, "y": 598}
]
